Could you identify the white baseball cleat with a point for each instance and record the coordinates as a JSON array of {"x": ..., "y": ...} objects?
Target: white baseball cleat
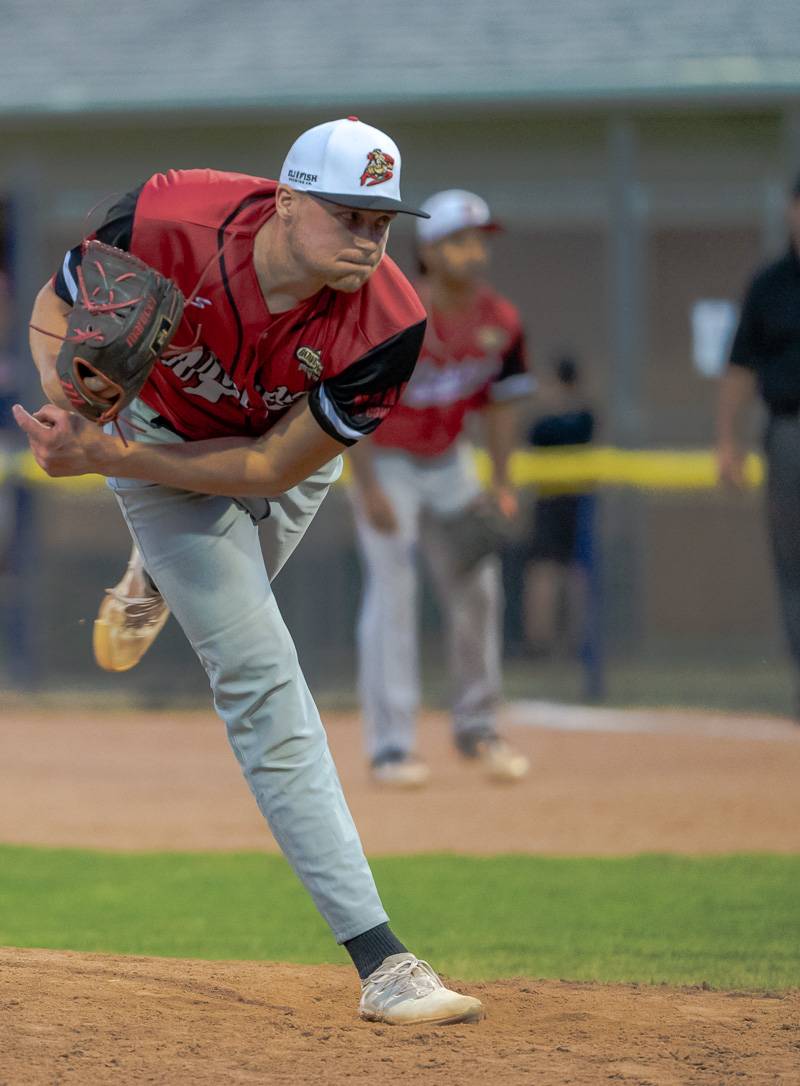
[
  {"x": 130, "y": 618},
  {"x": 404, "y": 991},
  {"x": 502, "y": 762},
  {"x": 407, "y": 772}
]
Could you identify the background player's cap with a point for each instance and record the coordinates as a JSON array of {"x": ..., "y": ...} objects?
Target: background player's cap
[
  {"x": 451, "y": 211},
  {"x": 349, "y": 163}
]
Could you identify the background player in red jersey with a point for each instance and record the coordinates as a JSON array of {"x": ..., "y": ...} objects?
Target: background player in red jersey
[
  {"x": 419, "y": 465},
  {"x": 297, "y": 340}
]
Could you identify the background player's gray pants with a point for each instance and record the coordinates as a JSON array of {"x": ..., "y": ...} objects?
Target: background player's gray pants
[
  {"x": 203, "y": 552},
  {"x": 783, "y": 507},
  {"x": 387, "y": 627}
]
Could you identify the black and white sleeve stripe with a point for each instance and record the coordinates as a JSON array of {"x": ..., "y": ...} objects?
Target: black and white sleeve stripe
[
  {"x": 65, "y": 283},
  {"x": 514, "y": 379},
  {"x": 334, "y": 423},
  {"x": 353, "y": 404}
]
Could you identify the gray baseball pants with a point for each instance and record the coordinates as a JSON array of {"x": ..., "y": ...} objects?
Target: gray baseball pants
[
  {"x": 420, "y": 489},
  {"x": 204, "y": 554}
]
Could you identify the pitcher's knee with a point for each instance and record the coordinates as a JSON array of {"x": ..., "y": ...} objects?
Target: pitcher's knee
[{"x": 271, "y": 719}]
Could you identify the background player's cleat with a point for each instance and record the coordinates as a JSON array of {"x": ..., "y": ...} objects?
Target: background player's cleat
[
  {"x": 130, "y": 618},
  {"x": 501, "y": 761},
  {"x": 400, "y": 771},
  {"x": 404, "y": 991}
]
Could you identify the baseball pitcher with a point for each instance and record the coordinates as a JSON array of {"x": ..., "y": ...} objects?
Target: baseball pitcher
[{"x": 258, "y": 330}]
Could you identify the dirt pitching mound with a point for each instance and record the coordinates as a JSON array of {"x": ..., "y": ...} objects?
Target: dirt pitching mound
[{"x": 92, "y": 1018}]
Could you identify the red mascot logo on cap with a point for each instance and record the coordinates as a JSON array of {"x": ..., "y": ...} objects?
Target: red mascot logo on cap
[{"x": 378, "y": 169}]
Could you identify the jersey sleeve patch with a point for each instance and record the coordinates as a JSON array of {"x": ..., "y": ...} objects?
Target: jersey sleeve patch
[
  {"x": 352, "y": 404},
  {"x": 116, "y": 229}
]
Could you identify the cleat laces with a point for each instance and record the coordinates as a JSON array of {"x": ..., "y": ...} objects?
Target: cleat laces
[
  {"x": 403, "y": 978},
  {"x": 140, "y": 611}
]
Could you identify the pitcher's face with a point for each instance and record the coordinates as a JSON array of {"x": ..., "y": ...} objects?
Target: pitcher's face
[{"x": 342, "y": 246}]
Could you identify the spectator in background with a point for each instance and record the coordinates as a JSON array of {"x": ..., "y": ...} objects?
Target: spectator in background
[
  {"x": 554, "y": 588},
  {"x": 765, "y": 361}
]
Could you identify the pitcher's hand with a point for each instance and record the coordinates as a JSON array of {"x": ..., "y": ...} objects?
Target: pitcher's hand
[{"x": 62, "y": 442}]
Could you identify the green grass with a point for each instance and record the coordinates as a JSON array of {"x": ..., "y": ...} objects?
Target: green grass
[{"x": 729, "y": 921}]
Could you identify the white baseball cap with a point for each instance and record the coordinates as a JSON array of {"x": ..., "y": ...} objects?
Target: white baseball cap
[
  {"x": 453, "y": 210},
  {"x": 347, "y": 162}
]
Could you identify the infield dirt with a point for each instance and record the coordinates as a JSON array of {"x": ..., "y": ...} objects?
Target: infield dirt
[
  {"x": 77, "y": 1018},
  {"x": 699, "y": 783},
  {"x": 682, "y": 784}
]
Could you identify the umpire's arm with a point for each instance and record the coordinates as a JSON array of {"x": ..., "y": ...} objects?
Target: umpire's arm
[{"x": 737, "y": 390}]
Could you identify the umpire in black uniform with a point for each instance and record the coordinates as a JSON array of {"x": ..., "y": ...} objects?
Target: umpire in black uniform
[{"x": 765, "y": 360}]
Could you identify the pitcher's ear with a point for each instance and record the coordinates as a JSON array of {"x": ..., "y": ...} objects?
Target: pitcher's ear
[{"x": 286, "y": 201}]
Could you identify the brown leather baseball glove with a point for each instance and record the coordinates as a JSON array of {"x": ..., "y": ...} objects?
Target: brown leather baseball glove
[
  {"x": 124, "y": 317},
  {"x": 474, "y": 533}
]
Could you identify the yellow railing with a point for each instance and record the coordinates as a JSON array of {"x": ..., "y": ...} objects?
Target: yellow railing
[
  {"x": 565, "y": 469},
  {"x": 645, "y": 469}
]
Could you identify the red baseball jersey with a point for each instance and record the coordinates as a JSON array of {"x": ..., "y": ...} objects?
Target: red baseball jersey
[
  {"x": 233, "y": 367},
  {"x": 469, "y": 359}
]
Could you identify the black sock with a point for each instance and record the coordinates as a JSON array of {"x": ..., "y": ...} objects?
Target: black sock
[{"x": 370, "y": 948}]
